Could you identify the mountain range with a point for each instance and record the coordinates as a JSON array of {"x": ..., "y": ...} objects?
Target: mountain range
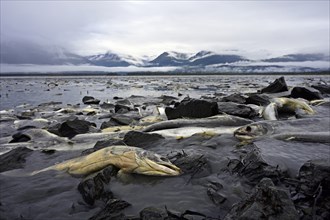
[{"x": 33, "y": 54}]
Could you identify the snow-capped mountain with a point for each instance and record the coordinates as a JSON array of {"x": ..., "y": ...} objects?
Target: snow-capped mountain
[
  {"x": 170, "y": 58},
  {"x": 23, "y": 53},
  {"x": 111, "y": 59},
  {"x": 201, "y": 58}
]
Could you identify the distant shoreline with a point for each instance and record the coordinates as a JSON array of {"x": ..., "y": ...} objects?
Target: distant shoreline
[{"x": 25, "y": 74}]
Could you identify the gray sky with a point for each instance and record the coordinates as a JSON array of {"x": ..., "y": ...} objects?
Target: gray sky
[{"x": 252, "y": 28}]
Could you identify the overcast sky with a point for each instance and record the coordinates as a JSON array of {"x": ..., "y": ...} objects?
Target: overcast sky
[{"x": 149, "y": 28}]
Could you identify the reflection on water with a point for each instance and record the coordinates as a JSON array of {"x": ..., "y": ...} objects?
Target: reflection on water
[{"x": 17, "y": 91}]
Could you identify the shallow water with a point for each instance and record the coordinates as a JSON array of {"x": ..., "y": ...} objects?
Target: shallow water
[
  {"x": 70, "y": 90},
  {"x": 54, "y": 195}
]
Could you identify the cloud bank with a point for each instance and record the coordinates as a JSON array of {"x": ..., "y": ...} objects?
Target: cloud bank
[{"x": 256, "y": 29}]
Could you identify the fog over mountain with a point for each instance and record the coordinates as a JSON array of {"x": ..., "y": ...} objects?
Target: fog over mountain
[{"x": 192, "y": 35}]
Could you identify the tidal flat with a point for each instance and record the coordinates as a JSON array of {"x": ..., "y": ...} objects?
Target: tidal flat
[{"x": 281, "y": 173}]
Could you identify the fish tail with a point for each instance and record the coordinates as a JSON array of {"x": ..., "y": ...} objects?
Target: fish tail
[{"x": 41, "y": 171}]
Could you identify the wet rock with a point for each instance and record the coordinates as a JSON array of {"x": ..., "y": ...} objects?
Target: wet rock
[
  {"x": 168, "y": 100},
  {"x": 141, "y": 139},
  {"x": 258, "y": 99},
  {"x": 14, "y": 159},
  {"x": 92, "y": 187},
  {"x": 312, "y": 194},
  {"x": 106, "y": 105},
  {"x": 195, "y": 165},
  {"x": 237, "y": 98},
  {"x": 253, "y": 167},
  {"x": 325, "y": 89},
  {"x": 266, "y": 202},
  {"x": 306, "y": 93},
  {"x": 279, "y": 85},
  {"x": 240, "y": 110},
  {"x": 123, "y": 119},
  {"x": 71, "y": 128},
  {"x": 112, "y": 210},
  {"x": 20, "y": 137},
  {"x": 213, "y": 193},
  {"x": 120, "y": 109},
  {"x": 153, "y": 213},
  {"x": 313, "y": 173},
  {"x": 88, "y": 100},
  {"x": 192, "y": 108},
  {"x": 28, "y": 114}
]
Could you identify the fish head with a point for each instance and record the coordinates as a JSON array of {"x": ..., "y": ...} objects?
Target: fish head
[
  {"x": 153, "y": 164},
  {"x": 250, "y": 132}
]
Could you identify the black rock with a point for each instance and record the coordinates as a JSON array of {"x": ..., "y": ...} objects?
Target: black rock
[
  {"x": 168, "y": 100},
  {"x": 71, "y": 128},
  {"x": 106, "y": 105},
  {"x": 123, "y": 119},
  {"x": 141, "y": 139},
  {"x": 258, "y": 99},
  {"x": 313, "y": 173},
  {"x": 195, "y": 164},
  {"x": 92, "y": 188},
  {"x": 240, "y": 110},
  {"x": 253, "y": 167},
  {"x": 90, "y": 100},
  {"x": 14, "y": 159},
  {"x": 266, "y": 202},
  {"x": 153, "y": 213},
  {"x": 122, "y": 108},
  {"x": 213, "y": 193},
  {"x": 306, "y": 93},
  {"x": 112, "y": 210},
  {"x": 237, "y": 98},
  {"x": 108, "y": 124},
  {"x": 325, "y": 89},
  {"x": 20, "y": 137},
  {"x": 313, "y": 189},
  {"x": 192, "y": 108},
  {"x": 279, "y": 85}
]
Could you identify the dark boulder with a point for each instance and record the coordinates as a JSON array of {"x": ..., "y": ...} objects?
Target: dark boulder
[
  {"x": 279, "y": 85},
  {"x": 195, "y": 165},
  {"x": 313, "y": 174},
  {"x": 266, "y": 202},
  {"x": 237, "y": 98},
  {"x": 20, "y": 137},
  {"x": 168, "y": 100},
  {"x": 141, "y": 139},
  {"x": 313, "y": 189},
  {"x": 120, "y": 109},
  {"x": 153, "y": 213},
  {"x": 112, "y": 210},
  {"x": 240, "y": 110},
  {"x": 106, "y": 105},
  {"x": 14, "y": 159},
  {"x": 71, "y": 128},
  {"x": 88, "y": 100},
  {"x": 306, "y": 93},
  {"x": 258, "y": 99},
  {"x": 325, "y": 89},
  {"x": 213, "y": 193},
  {"x": 93, "y": 187},
  {"x": 253, "y": 167},
  {"x": 123, "y": 119},
  {"x": 192, "y": 108}
]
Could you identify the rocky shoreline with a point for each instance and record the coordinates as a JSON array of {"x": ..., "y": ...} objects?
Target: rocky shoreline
[{"x": 222, "y": 177}]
